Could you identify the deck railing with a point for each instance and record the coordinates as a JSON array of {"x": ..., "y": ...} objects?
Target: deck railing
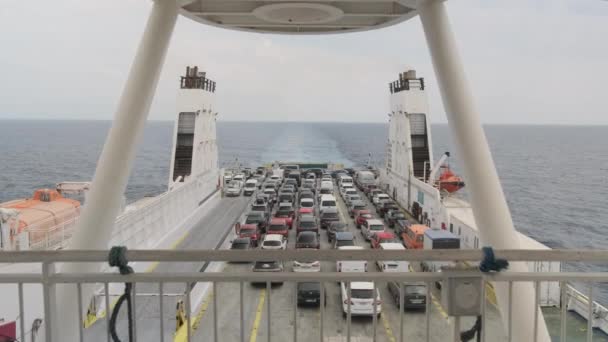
[{"x": 48, "y": 279}]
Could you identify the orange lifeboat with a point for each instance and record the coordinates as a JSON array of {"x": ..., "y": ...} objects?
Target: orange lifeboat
[
  {"x": 43, "y": 215},
  {"x": 449, "y": 181}
]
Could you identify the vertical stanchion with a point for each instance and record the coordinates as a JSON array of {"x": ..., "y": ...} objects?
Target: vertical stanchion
[
  {"x": 242, "y": 295},
  {"x": 215, "y": 315},
  {"x": 401, "y": 310},
  {"x": 80, "y": 320},
  {"x": 322, "y": 308},
  {"x": 268, "y": 320},
  {"x": 106, "y": 288},
  {"x": 590, "y": 314},
  {"x": 21, "y": 313},
  {"x": 563, "y": 311},
  {"x": 427, "y": 316},
  {"x": 161, "y": 289},
  {"x": 295, "y": 313}
]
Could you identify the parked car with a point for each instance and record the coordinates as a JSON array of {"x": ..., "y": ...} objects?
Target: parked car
[
  {"x": 392, "y": 265},
  {"x": 250, "y": 231},
  {"x": 268, "y": 266},
  {"x": 328, "y": 216},
  {"x": 370, "y": 227},
  {"x": 241, "y": 243},
  {"x": 401, "y": 226},
  {"x": 382, "y": 237},
  {"x": 306, "y": 212},
  {"x": 306, "y": 266},
  {"x": 386, "y": 206},
  {"x": 278, "y": 226},
  {"x": 258, "y": 218},
  {"x": 234, "y": 188},
  {"x": 356, "y": 206},
  {"x": 327, "y": 201},
  {"x": 286, "y": 197},
  {"x": 364, "y": 301},
  {"x": 251, "y": 186},
  {"x": 414, "y": 294},
  {"x": 274, "y": 241},
  {"x": 380, "y": 197},
  {"x": 351, "y": 265},
  {"x": 361, "y": 216},
  {"x": 335, "y": 227},
  {"x": 350, "y": 198},
  {"x": 307, "y": 240},
  {"x": 309, "y": 293},
  {"x": 307, "y": 223},
  {"x": 343, "y": 239},
  {"x": 287, "y": 214},
  {"x": 413, "y": 236},
  {"x": 307, "y": 203},
  {"x": 373, "y": 192},
  {"x": 392, "y": 216}
]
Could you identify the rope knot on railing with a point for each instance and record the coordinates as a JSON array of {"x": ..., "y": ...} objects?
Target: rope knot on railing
[
  {"x": 118, "y": 258},
  {"x": 490, "y": 263}
]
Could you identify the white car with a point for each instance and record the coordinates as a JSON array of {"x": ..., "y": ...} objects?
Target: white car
[
  {"x": 370, "y": 227},
  {"x": 234, "y": 188},
  {"x": 327, "y": 201},
  {"x": 250, "y": 186},
  {"x": 393, "y": 265},
  {"x": 362, "y": 299},
  {"x": 301, "y": 266},
  {"x": 274, "y": 242},
  {"x": 351, "y": 265},
  {"x": 307, "y": 203},
  {"x": 380, "y": 197},
  {"x": 352, "y": 197}
]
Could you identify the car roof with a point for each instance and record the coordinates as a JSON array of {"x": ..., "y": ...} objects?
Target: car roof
[
  {"x": 385, "y": 235},
  {"x": 357, "y": 202},
  {"x": 307, "y": 233},
  {"x": 331, "y": 210},
  {"x": 344, "y": 236},
  {"x": 392, "y": 246},
  {"x": 273, "y": 237},
  {"x": 251, "y": 181},
  {"x": 347, "y": 248},
  {"x": 362, "y": 285},
  {"x": 307, "y": 200},
  {"x": 375, "y": 221},
  {"x": 307, "y": 218}
]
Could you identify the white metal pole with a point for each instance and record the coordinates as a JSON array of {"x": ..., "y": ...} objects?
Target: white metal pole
[
  {"x": 113, "y": 168},
  {"x": 490, "y": 207}
]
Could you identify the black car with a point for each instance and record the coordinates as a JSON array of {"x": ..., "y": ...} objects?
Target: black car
[
  {"x": 392, "y": 216},
  {"x": 241, "y": 244},
  {"x": 267, "y": 266},
  {"x": 414, "y": 295},
  {"x": 309, "y": 293},
  {"x": 328, "y": 216},
  {"x": 335, "y": 227},
  {"x": 259, "y": 218},
  {"x": 307, "y": 240},
  {"x": 344, "y": 239}
]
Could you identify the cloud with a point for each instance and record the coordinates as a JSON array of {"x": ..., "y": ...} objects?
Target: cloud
[{"x": 528, "y": 62}]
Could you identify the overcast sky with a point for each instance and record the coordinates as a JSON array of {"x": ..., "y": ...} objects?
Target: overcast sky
[{"x": 529, "y": 61}]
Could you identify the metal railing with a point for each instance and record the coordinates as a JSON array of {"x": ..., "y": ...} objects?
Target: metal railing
[{"x": 49, "y": 279}]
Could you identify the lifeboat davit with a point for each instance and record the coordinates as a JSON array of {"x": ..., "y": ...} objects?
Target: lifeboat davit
[{"x": 449, "y": 181}]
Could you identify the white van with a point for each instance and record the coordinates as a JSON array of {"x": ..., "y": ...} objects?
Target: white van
[
  {"x": 393, "y": 266},
  {"x": 351, "y": 265},
  {"x": 345, "y": 180},
  {"x": 327, "y": 188},
  {"x": 250, "y": 186},
  {"x": 327, "y": 201},
  {"x": 362, "y": 299}
]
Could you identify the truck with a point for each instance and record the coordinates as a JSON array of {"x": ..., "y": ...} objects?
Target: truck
[
  {"x": 364, "y": 178},
  {"x": 439, "y": 239}
]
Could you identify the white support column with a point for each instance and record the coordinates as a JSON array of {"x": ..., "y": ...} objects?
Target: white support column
[
  {"x": 492, "y": 214},
  {"x": 114, "y": 165}
]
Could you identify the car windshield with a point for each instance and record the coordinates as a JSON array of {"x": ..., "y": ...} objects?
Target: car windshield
[
  {"x": 339, "y": 227},
  {"x": 276, "y": 227},
  {"x": 329, "y": 203},
  {"x": 415, "y": 289},
  {"x": 362, "y": 294},
  {"x": 258, "y": 208},
  {"x": 341, "y": 243},
  {"x": 329, "y": 215},
  {"x": 253, "y": 219},
  {"x": 282, "y": 213},
  {"x": 307, "y": 204},
  {"x": 240, "y": 245},
  {"x": 272, "y": 243},
  {"x": 307, "y": 238},
  {"x": 376, "y": 227},
  {"x": 358, "y": 207},
  {"x": 247, "y": 231},
  {"x": 307, "y": 224}
]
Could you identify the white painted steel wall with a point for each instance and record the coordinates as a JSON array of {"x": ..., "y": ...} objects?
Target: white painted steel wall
[{"x": 205, "y": 153}]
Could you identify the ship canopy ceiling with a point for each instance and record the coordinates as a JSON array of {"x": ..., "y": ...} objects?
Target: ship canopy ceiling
[{"x": 300, "y": 17}]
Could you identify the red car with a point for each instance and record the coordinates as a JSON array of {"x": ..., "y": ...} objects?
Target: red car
[
  {"x": 305, "y": 211},
  {"x": 383, "y": 237},
  {"x": 361, "y": 216},
  {"x": 278, "y": 226},
  {"x": 286, "y": 216},
  {"x": 252, "y": 231}
]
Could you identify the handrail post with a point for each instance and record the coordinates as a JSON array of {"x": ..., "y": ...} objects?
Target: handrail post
[
  {"x": 489, "y": 205},
  {"x": 113, "y": 168}
]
